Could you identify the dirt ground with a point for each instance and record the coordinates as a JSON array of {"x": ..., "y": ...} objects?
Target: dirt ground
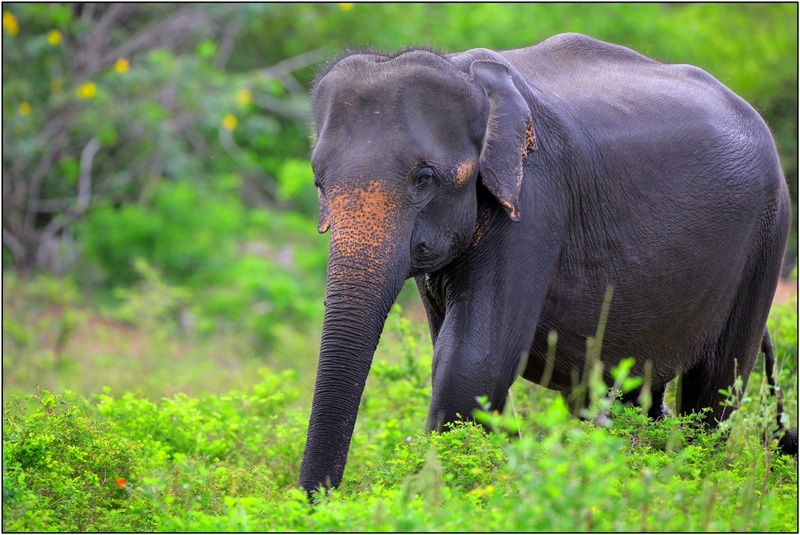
[{"x": 786, "y": 289}]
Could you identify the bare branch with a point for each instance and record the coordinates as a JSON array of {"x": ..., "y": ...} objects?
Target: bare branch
[
  {"x": 294, "y": 63},
  {"x": 280, "y": 107},
  {"x": 14, "y": 244},
  {"x": 35, "y": 182},
  {"x": 88, "y": 12},
  {"x": 85, "y": 181},
  {"x": 292, "y": 85},
  {"x": 227, "y": 41},
  {"x": 160, "y": 34},
  {"x": 81, "y": 203},
  {"x": 88, "y": 60},
  {"x": 282, "y": 70},
  {"x": 49, "y": 206}
]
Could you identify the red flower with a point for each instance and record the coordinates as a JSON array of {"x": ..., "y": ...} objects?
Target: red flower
[{"x": 121, "y": 481}]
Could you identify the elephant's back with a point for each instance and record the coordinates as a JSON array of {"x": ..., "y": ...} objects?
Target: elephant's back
[
  {"x": 673, "y": 181},
  {"x": 649, "y": 141},
  {"x": 601, "y": 87}
]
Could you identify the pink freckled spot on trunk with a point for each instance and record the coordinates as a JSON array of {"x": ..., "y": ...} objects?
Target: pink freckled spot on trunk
[{"x": 363, "y": 220}]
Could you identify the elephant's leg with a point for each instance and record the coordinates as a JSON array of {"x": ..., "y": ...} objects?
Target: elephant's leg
[
  {"x": 475, "y": 355},
  {"x": 657, "y": 408},
  {"x": 493, "y": 297},
  {"x": 735, "y": 351},
  {"x": 430, "y": 292},
  {"x": 699, "y": 387}
]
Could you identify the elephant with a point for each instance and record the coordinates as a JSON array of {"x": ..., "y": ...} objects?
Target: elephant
[{"x": 516, "y": 187}]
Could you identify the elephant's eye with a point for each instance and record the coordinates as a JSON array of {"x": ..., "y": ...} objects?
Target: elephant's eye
[{"x": 423, "y": 176}]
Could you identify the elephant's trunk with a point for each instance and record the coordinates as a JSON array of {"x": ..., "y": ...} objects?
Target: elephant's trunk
[{"x": 366, "y": 271}]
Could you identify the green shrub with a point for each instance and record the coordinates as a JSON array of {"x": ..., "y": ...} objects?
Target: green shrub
[
  {"x": 63, "y": 471},
  {"x": 463, "y": 457},
  {"x": 188, "y": 232},
  {"x": 782, "y": 324},
  {"x": 197, "y": 250},
  {"x": 241, "y": 428}
]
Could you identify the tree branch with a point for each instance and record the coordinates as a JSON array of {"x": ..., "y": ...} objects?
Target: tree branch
[
  {"x": 227, "y": 41},
  {"x": 80, "y": 206},
  {"x": 160, "y": 34},
  {"x": 280, "y": 107},
  {"x": 294, "y": 63},
  {"x": 35, "y": 182},
  {"x": 17, "y": 249},
  {"x": 88, "y": 60}
]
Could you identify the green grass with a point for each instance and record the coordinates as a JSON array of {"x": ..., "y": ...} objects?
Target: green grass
[{"x": 117, "y": 460}]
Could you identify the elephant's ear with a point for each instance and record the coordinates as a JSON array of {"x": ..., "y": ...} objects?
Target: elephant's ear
[
  {"x": 509, "y": 134},
  {"x": 324, "y": 214}
]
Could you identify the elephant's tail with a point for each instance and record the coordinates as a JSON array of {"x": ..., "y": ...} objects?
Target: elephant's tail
[{"x": 787, "y": 438}]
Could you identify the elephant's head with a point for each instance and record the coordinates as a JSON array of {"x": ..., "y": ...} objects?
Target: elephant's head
[{"x": 401, "y": 143}]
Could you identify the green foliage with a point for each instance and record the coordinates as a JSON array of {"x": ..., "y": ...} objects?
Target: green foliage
[
  {"x": 230, "y": 462},
  {"x": 189, "y": 234},
  {"x": 200, "y": 101},
  {"x": 166, "y": 176},
  {"x": 464, "y": 458},
  {"x": 203, "y": 253},
  {"x": 782, "y": 324},
  {"x": 239, "y": 428},
  {"x": 60, "y": 470}
]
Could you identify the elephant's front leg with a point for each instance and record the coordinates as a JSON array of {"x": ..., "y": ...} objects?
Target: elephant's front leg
[
  {"x": 489, "y": 324},
  {"x": 466, "y": 367}
]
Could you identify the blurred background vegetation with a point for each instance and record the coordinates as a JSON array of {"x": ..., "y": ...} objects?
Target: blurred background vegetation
[{"x": 159, "y": 217}]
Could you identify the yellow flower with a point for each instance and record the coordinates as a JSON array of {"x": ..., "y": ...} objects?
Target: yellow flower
[
  {"x": 244, "y": 96},
  {"x": 87, "y": 90},
  {"x": 54, "y": 37},
  {"x": 24, "y": 108},
  {"x": 229, "y": 122},
  {"x": 10, "y": 23},
  {"x": 122, "y": 65},
  {"x": 346, "y": 6}
]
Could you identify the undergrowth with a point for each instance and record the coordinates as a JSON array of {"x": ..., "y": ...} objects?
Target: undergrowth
[{"x": 117, "y": 461}]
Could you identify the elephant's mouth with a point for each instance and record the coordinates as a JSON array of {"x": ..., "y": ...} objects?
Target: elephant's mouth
[
  {"x": 427, "y": 259},
  {"x": 424, "y": 260}
]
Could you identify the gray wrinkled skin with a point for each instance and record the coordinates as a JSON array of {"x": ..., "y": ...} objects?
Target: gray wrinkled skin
[{"x": 516, "y": 187}]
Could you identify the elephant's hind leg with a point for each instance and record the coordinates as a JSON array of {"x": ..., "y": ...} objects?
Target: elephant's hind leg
[
  {"x": 787, "y": 437},
  {"x": 733, "y": 354},
  {"x": 657, "y": 409},
  {"x": 699, "y": 388},
  {"x": 736, "y": 348}
]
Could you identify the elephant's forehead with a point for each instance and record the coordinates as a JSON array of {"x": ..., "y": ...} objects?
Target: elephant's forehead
[
  {"x": 363, "y": 84},
  {"x": 368, "y": 70}
]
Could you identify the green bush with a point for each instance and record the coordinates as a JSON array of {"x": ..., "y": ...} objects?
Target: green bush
[
  {"x": 128, "y": 464},
  {"x": 782, "y": 324},
  {"x": 63, "y": 471},
  {"x": 464, "y": 457},
  {"x": 198, "y": 251},
  {"x": 230, "y": 462},
  {"x": 188, "y": 232},
  {"x": 241, "y": 428}
]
